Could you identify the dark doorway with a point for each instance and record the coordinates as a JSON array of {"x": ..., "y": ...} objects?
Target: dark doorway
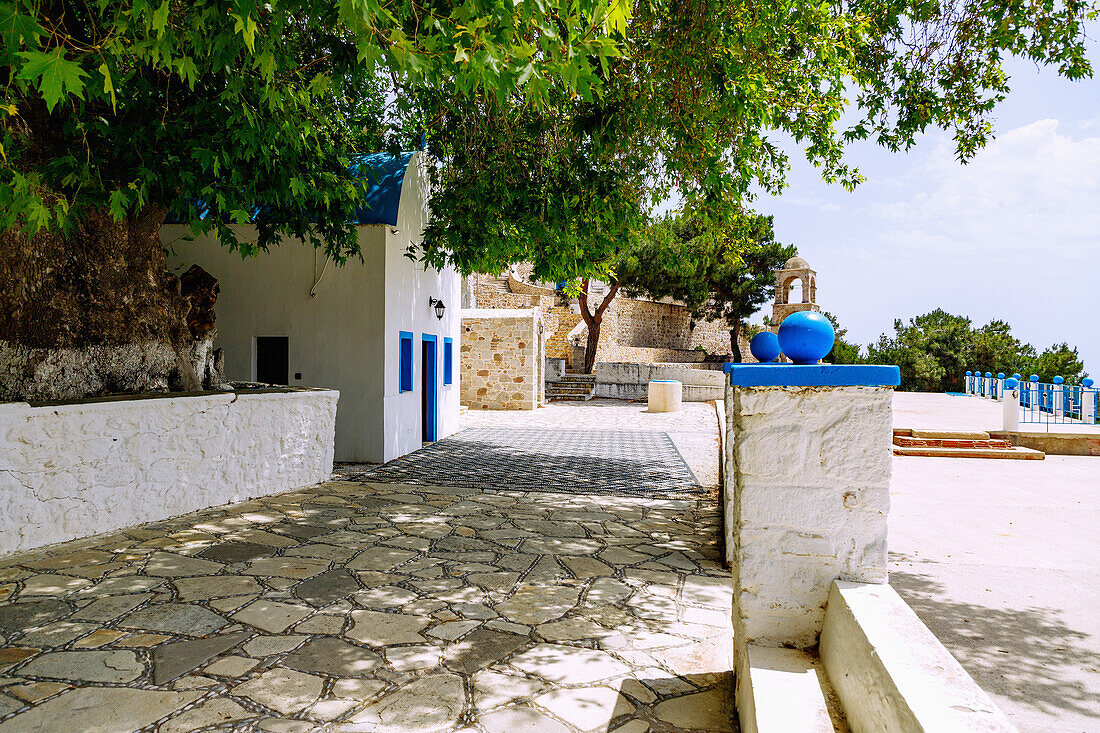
[
  {"x": 429, "y": 393},
  {"x": 273, "y": 360}
]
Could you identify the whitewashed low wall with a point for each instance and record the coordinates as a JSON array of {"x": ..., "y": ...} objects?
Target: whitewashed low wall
[
  {"x": 631, "y": 381},
  {"x": 892, "y": 674},
  {"x": 76, "y": 470}
]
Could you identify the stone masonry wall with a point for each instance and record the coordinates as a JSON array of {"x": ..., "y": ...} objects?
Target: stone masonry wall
[
  {"x": 501, "y": 366},
  {"x": 806, "y": 499},
  {"x": 633, "y": 330},
  {"x": 82, "y": 469}
]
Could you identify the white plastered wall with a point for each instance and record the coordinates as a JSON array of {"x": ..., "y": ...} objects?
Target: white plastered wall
[
  {"x": 409, "y": 287},
  {"x": 347, "y": 335},
  {"x": 334, "y": 338}
]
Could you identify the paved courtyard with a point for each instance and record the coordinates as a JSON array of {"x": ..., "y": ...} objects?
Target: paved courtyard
[
  {"x": 1000, "y": 559},
  {"x": 374, "y": 605}
]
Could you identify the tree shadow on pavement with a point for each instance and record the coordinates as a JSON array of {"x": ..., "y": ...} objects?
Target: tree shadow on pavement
[{"x": 1026, "y": 654}]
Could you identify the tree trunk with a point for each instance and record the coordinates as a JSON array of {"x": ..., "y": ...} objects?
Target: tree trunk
[
  {"x": 593, "y": 321},
  {"x": 92, "y": 311},
  {"x": 735, "y": 341}
]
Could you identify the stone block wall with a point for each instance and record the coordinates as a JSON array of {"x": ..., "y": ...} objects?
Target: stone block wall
[
  {"x": 83, "y": 469},
  {"x": 633, "y": 330},
  {"x": 806, "y": 499},
  {"x": 502, "y": 359}
]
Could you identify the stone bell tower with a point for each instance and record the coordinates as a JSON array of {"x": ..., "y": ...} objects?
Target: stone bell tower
[{"x": 795, "y": 276}]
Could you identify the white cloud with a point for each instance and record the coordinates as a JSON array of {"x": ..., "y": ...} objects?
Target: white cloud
[{"x": 1033, "y": 190}]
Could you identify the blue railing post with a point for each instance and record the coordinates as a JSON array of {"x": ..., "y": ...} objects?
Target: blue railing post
[{"x": 969, "y": 383}]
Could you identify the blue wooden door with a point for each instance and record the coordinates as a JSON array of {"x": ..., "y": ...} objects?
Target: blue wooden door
[{"x": 429, "y": 394}]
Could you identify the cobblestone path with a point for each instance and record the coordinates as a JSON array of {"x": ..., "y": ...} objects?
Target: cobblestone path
[{"x": 359, "y": 606}]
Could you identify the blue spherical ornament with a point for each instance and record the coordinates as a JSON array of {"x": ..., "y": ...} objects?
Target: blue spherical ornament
[
  {"x": 969, "y": 373},
  {"x": 1058, "y": 380},
  {"x": 1016, "y": 376},
  {"x": 988, "y": 374},
  {"x": 1000, "y": 375},
  {"x": 806, "y": 336},
  {"x": 1033, "y": 378},
  {"x": 1011, "y": 383},
  {"x": 1087, "y": 382},
  {"x": 764, "y": 347}
]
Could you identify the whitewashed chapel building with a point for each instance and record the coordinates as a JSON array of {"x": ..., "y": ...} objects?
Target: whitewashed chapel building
[{"x": 383, "y": 331}]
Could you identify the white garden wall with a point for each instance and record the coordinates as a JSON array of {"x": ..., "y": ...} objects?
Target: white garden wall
[
  {"x": 75, "y": 470},
  {"x": 631, "y": 381}
]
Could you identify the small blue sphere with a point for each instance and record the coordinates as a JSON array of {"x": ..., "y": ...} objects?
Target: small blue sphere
[
  {"x": 1011, "y": 383},
  {"x": 1087, "y": 382},
  {"x": 1000, "y": 375},
  {"x": 1058, "y": 380},
  {"x": 989, "y": 374},
  {"x": 764, "y": 347},
  {"x": 1034, "y": 378},
  {"x": 806, "y": 336},
  {"x": 969, "y": 374},
  {"x": 1016, "y": 376}
]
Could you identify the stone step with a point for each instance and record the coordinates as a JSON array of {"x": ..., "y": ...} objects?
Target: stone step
[
  {"x": 786, "y": 690},
  {"x": 936, "y": 452},
  {"x": 904, "y": 442},
  {"x": 569, "y": 392},
  {"x": 947, "y": 434}
]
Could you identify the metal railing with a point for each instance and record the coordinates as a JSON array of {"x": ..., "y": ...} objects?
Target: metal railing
[{"x": 1039, "y": 403}]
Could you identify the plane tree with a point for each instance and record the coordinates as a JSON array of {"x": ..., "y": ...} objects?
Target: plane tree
[{"x": 118, "y": 114}]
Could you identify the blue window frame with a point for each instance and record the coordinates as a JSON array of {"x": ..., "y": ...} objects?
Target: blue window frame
[
  {"x": 406, "y": 353},
  {"x": 448, "y": 356}
]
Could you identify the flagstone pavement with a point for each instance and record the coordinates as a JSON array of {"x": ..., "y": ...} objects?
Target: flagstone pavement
[{"x": 364, "y": 606}]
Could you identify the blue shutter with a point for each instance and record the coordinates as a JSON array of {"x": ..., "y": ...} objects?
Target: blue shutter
[
  {"x": 448, "y": 355},
  {"x": 406, "y": 362}
]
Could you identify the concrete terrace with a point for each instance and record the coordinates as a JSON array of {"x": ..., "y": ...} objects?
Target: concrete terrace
[
  {"x": 361, "y": 605},
  {"x": 1000, "y": 560},
  {"x": 936, "y": 411}
]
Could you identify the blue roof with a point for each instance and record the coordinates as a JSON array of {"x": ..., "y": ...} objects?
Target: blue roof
[{"x": 384, "y": 174}]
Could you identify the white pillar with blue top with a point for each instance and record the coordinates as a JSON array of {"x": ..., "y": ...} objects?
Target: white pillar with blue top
[{"x": 807, "y": 485}]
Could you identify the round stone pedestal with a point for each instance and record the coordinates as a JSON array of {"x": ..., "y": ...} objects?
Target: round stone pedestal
[{"x": 665, "y": 395}]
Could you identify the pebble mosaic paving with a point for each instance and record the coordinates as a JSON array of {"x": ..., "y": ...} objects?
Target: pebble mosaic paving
[
  {"x": 363, "y": 606},
  {"x": 642, "y": 463}
]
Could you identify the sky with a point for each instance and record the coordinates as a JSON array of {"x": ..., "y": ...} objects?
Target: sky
[{"x": 1013, "y": 235}]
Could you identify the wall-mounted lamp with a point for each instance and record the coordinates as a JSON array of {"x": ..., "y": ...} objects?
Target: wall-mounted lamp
[{"x": 438, "y": 305}]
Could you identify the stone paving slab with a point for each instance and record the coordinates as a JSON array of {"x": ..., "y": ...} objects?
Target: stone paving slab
[{"x": 387, "y": 608}]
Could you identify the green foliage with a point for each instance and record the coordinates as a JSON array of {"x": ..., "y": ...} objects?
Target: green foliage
[
  {"x": 255, "y": 109},
  {"x": 695, "y": 103},
  {"x": 556, "y": 123},
  {"x": 720, "y": 268},
  {"x": 521, "y": 186},
  {"x": 843, "y": 351},
  {"x": 936, "y": 350},
  {"x": 1060, "y": 360}
]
